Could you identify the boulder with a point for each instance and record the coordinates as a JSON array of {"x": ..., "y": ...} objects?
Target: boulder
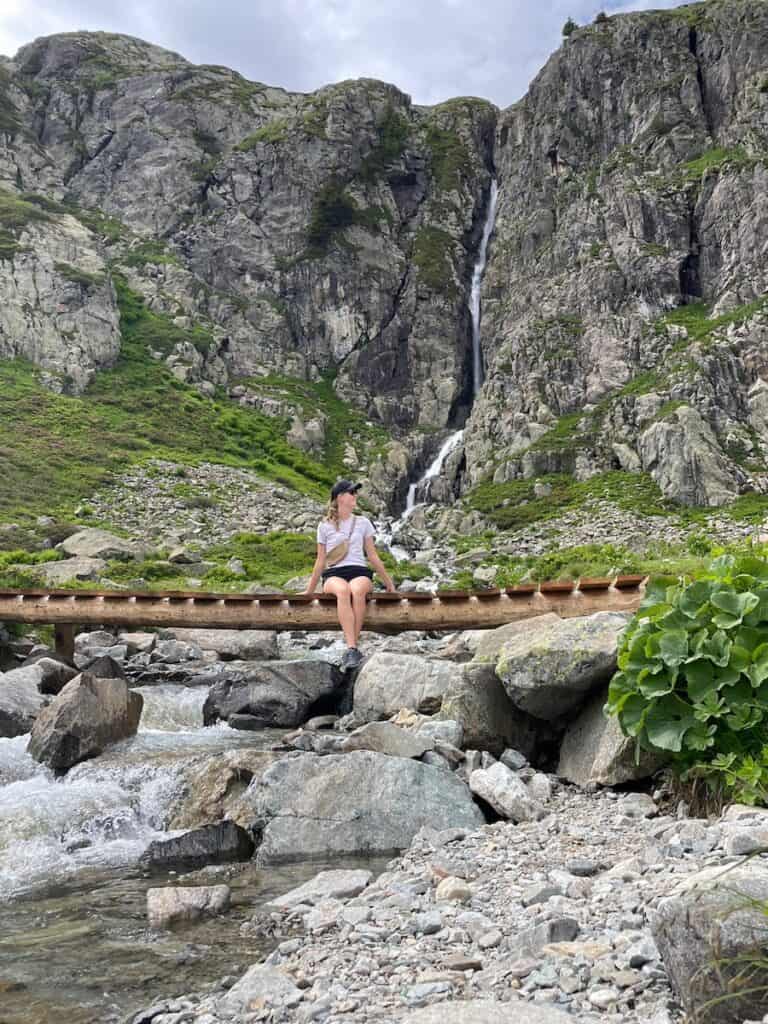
[
  {"x": 105, "y": 667},
  {"x": 388, "y": 682},
  {"x": 88, "y": 715},
  {"x": 173, "y": 652},
  {"x": 595, "y": 750},
  {"x": 477, "y": 700},
  {"x": 313, "y": 806},
  {"x": 261, "y": 988},
  {"x": 93, "y": 543},
  {"x": 340, "y": 884},
  {"x": 138, "y": 643},
  {"x": 56, "y": 574},
  {"x": 444, "y": 730},
  {"x": 214, "y": 789},
  {"x": 488, "y": 646},
  {"x": 176, "y": 904},
  {"x": 387, "y": 738},
  {"x": 505, "y": 792},
  {"x": 20, "y": 699},
  {"x": 55, "y": 674},
  {"x": 706, "y": 930},
  {"x": 549, "y": 669},
  {"x": 232, "y": 644},
  {"x": 486, "y": 1011},
  {"x": 221, "y": 843},
  {"x": 273, "y": 693}
]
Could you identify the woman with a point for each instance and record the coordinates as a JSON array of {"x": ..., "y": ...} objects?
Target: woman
[{"x": 349, "y": 578}]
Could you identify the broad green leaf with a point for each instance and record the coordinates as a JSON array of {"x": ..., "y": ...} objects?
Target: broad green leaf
[
  {"x": 749, "y": 638},
  {"x": 668, "y": 721},
  {"x": 633, "y": 714},
  {"x": 722, "y": 567},
  {"x": 700, "y": 675},
  {"x": 700, "y": 736},
  {"x": 712, "y": 706},
  {"x": 732, "y": 607},
  {"x": 653, "y": 685},
  {"x": 673, "y": 647},
  {"x": 758, "y": 670},
  {"x": 717, "y": 648},
  {"x": 750, "y": 567},
  {"x": 656, "y": 591},
  {"x": 739, "y": 659},
  {"x": 695, "y": 598}
]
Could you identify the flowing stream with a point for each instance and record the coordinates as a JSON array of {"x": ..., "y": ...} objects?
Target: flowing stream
[
  {"x": 420, "y": 486},
  {"x": 74, "y": 943}
]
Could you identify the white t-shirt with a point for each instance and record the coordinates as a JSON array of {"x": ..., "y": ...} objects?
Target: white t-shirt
[{"x": 355, "y": 530}]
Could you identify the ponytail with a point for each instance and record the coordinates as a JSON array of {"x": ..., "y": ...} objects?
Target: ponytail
[{"x": 332, "y": 512}]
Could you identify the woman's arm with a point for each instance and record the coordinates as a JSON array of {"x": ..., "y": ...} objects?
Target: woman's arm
[
  {"x": 317, "y": 568},
  {"x": 378, "y": 566}
]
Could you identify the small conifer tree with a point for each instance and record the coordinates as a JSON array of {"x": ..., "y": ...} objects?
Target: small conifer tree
[{"x": 569, "y": 26}]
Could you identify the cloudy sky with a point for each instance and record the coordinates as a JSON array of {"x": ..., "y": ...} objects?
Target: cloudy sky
[{"x": 432, "y": 49}]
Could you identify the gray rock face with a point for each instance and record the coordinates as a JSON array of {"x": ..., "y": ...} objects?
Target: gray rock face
[
  {"x": 88, "y": 715},
  {"x": 232, "y": 644},
  {"x": 386, "y": 738},
  {"x": 594, "y": 750},
  {"x": 476, "y": 699},
  {"x": 710, "y": 918},
  {"x": 549, "y": 670},
  {"x": 312, "y": 806},
  {"x": 270, "y": 694},
  {"x": 20, "y": 700},
  {"x": 388, "y": 682},
  {"x": 221, "y": 843}
]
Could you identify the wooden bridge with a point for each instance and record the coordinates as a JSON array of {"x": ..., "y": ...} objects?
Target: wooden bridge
[{"x": 71, "y": 611}]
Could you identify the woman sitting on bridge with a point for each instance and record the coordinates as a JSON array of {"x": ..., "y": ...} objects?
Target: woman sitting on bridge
[{"x": 343, "y": 541}]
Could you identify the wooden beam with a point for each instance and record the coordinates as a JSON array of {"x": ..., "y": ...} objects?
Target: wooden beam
[
  {"x": 387, "y": 613},
  {"x": 64, "y": 638}
]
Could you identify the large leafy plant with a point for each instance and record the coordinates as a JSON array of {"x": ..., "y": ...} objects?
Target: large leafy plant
[{"x": 693, "y": 676}]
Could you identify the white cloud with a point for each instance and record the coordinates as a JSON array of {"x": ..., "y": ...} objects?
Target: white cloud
[{"x": 433, "y": 50}]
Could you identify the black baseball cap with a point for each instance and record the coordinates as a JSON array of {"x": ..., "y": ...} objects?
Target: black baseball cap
[{"x": 344, "y": 487}]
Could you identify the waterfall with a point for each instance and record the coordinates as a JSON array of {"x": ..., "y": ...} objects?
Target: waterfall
[{"x": 455, "y": 439}]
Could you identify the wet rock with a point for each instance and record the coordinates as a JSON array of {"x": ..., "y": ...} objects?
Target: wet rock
[
  {"x": 87, "y": 716},
  {"x": 20, "y": 700},
  {"x": 182, "y": 904},
  {"x": 273, "y": 694},
  {"x": 221, "y": 843},
  {"x": 385, "y": 802},
  {"x": 215, "y": 788}
]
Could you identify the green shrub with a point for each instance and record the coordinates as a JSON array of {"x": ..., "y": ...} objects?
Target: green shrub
[
  {"x": 433, "y": 257},
  {"x": 693, "y": 677},
  {"x": 569, "y": 27}
]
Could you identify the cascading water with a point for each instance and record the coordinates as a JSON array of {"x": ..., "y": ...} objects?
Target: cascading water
[{"x": 453, "y": 442}]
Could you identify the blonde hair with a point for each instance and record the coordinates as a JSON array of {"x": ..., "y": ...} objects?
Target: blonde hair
[{"x": 332, "y": 512}]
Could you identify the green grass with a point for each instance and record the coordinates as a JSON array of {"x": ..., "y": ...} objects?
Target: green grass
[
  {"x": 514, "y": 504},
  {"x": 55, "y": 449},
  {"x": 392, "y": 134},
  {"x": 148, "y": 251},
  {"x": 274, "y": 131},
  {"x": 334, "y": 211},
  {"x": 433, "y": 257},
  {"x": 77, "y": 276},
  {"x": 715, "y": 160},
  {"x": 16, "y": 214},
  {"x": 450, "y": 157}
]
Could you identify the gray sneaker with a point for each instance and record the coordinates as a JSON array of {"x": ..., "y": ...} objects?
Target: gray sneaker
[{"x": 352, "y": 658}]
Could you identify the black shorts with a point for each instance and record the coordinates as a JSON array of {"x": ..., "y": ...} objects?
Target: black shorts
[{"x": 347, "y": 572}]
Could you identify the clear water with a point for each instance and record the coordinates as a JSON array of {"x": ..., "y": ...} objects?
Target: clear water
[{"x": 74, "y": 945}]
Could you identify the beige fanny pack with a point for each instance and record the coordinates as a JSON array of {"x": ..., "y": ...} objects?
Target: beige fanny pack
[{"x": 339, "y": 552}]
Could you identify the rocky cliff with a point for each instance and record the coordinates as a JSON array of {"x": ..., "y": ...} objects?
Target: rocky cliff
[{"x": 332, "y": 236}]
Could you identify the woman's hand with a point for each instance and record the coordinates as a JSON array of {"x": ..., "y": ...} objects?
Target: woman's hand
[{"x": 389, "y": 586}]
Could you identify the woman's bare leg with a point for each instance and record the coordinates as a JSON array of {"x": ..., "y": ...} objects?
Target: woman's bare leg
[
  {"x": 360, "y": 587},
  {"x": 336, "y": 585}
]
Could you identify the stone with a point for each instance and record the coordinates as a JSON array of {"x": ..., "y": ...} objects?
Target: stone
[
  {"x": 138, "y": 643},
  {"x": 87, "y": 716},
  {"x": 475, "y": 698},
  {"x": 446, "y": 730},
  {"x": 214, "y": 788},
  {"x": 386, "y": 801},
  {"x": 744, "y": 841},
  {"x": 482, "y": 1011},
  {"x": 388, "y": 682},
  {"x": 20, "y": 700},
  {"x": 491, "y": 642},
  {"x": 173, "y": 905},
  {"x": 231, "y": 644},
  {"x": 513, "y": 759},
  {"x": 702, "y": 931},
  {"x": 55, "y": 675},
  {"x": 638, "y": 805},
  {"x": 505, "y": 792},
  {"x": 453, "y": 890},
  {"x": 284, "y": 693},
  {"x": 173, "y": 652},
  {"x": 221, "y": 843},
  {"x": 58, "y": 574},
  {"x": 551, "y": 669},
  {"x": 260, "y": 988},
  {"x": 94, "y": 543},
  {"x": 595, "y": 750},
  {"x": 339, "y": 884},
  {"x": 386, "y": 738}
]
